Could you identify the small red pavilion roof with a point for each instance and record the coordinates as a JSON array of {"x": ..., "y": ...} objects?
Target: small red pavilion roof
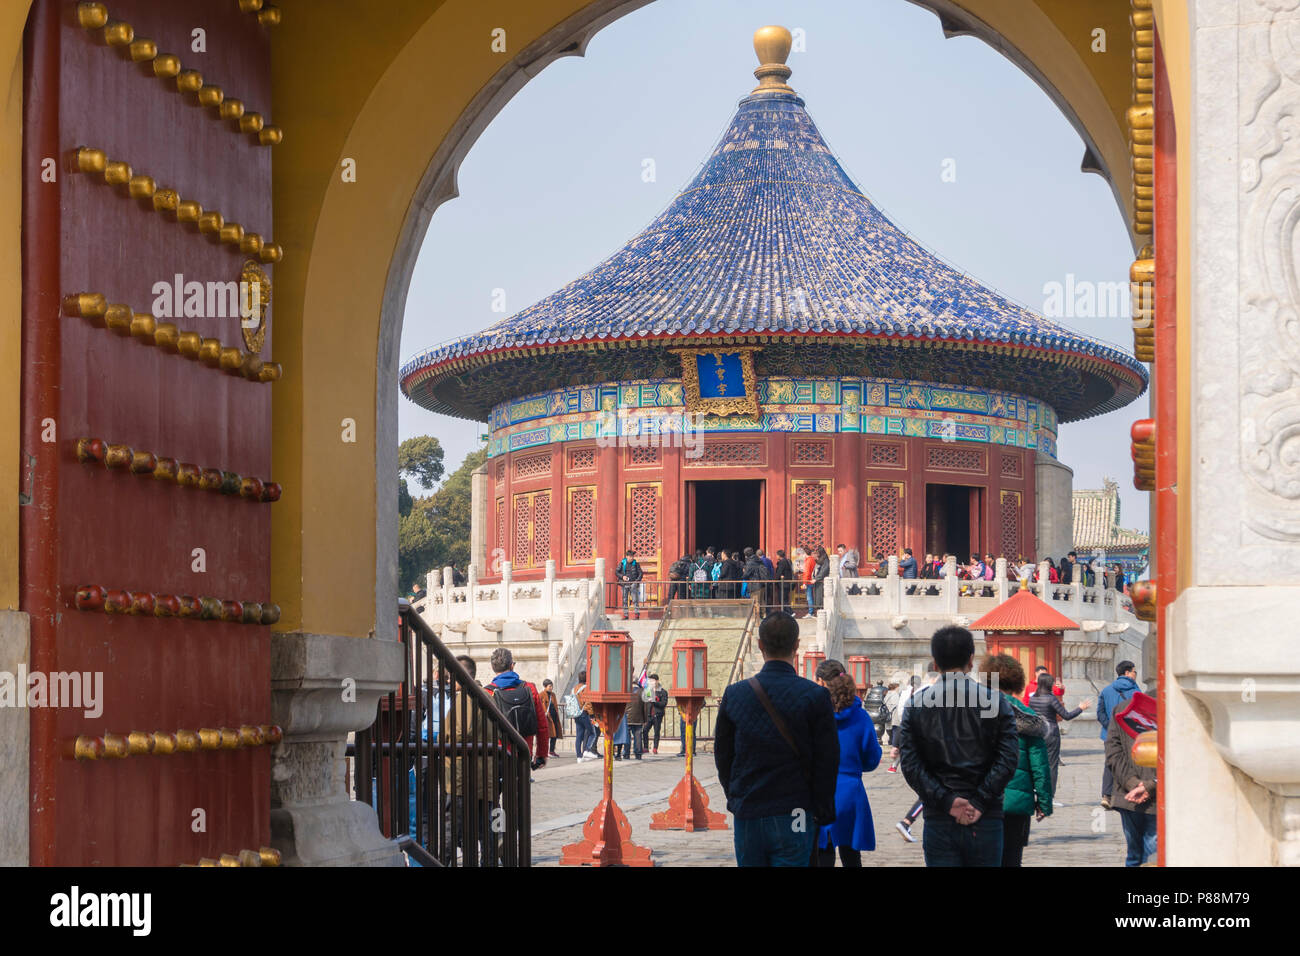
[{"x": 1024, "y": 611}]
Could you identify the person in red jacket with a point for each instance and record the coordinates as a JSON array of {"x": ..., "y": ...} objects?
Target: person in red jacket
[
  {"x": 1057, "y": 687},
  {"x": 507, "y": 690},
  {"x": 809, "y": 566}
]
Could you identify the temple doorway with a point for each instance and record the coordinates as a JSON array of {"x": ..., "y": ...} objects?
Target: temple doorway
[
  {"x": 725, "y": 514},
  {"x": 952, "y": 520}
]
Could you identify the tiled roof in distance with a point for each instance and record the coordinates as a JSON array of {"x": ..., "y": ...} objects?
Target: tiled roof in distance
[
  {"x": 772, "y": 238},
  {"x": 1024, "y": 611}
]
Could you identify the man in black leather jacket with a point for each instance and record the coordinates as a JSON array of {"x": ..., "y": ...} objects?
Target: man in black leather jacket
[{"x": 959, "y": 751}]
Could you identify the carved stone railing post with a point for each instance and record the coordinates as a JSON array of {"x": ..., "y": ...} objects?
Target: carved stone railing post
[
  {"x": 1000, "y": 574},
  {"x": 471, "y": 591},
  {"x": 951, "y": 587},
  {"x": 507, "y": 579},
  {"x": 322, "y": 688},
  {"x": 548, "y": 590}
]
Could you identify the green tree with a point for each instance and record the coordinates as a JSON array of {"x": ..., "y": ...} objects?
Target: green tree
[
  {"x": 434, "y": 530},
  {"x": 421, "y": 458}
]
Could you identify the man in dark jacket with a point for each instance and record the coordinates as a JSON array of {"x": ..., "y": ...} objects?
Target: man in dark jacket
[
  {"x": 777, "y": 751},
  {"x": 635, "y": 714},
  {"x": 679, "y": 572},
  {"x": 785, "y": 576},
  {"x": 959, "y": 749},
  {"x": 629, "y": 575},
  {"x": 754, "y": 573},
  {"x": 1113, "y": 695},
  {"x": 656, "y": 707},
  {"x": 728, "y": 574}
]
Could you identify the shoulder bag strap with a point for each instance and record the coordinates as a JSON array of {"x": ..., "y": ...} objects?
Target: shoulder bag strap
[{"x": 782, "y": 727}]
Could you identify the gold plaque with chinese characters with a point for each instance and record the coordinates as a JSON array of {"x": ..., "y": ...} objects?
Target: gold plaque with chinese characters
[{"x": 719, "y": 381}]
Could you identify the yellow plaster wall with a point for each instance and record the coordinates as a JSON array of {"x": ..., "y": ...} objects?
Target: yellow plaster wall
[
  {"x": 13, "y": 16},
  {"x": 383, "y": 91}
]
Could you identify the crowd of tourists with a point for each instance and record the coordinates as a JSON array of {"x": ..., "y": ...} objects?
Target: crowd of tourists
[
  {"x": 982, "y": 758},
  {"x": 795, "y": 582},
  {"x": 981, "y": 750}
]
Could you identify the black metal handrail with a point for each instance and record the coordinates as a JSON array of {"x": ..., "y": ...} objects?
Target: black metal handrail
[
  {"x": 441, "y": 740},
  {"x": 649, "y": 600}
]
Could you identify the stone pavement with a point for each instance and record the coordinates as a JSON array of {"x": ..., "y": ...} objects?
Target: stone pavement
[{"x": 1077, "y": 834}]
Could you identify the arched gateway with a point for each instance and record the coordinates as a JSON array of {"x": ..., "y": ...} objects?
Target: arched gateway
[{"x": 771, "y": 362}]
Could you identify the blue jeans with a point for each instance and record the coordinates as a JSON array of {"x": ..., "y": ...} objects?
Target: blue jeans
[
  {"x": 948, "y": 843},
  {"x": 585, "y": 733},
  {"x": 1139, "y": 834},
  {"x": 775, "y": 841}
]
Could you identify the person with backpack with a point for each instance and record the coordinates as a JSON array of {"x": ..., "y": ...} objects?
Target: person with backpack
[
  {"x": 700, "y": 577},
  {"x": 678, "y": 573},
  {"x": 753, "y": 574},
  {"x": 581, "y": 712},
  {"x": 629, "y": 576},
  {"x": 521, "y": 705}
]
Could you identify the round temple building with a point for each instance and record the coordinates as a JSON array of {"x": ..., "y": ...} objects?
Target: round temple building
[{"x": 770, "y": 363}]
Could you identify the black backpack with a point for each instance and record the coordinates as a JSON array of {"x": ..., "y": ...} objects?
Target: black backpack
[{"x": 516, "y": 704}]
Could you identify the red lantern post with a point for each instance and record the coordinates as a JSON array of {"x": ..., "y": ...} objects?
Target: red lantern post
[
  {"x": 860, "y": 670},
  {"x": 688, "y": 806},
  {"x": 810, "y": 662},
  {"x": 607, "y": 836}
]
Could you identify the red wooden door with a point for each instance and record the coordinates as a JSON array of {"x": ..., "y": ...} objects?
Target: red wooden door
[{"x": 146, "y": 465}]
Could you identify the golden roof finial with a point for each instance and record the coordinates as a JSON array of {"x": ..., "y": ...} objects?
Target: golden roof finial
[{"x": 772, "y": 45}]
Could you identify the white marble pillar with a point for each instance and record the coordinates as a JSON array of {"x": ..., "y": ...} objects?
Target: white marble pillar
[{"x": 1232, "y": 767}]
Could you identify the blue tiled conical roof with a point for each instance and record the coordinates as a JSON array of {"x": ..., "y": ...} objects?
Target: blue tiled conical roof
[{"x": 773, "y": 244}]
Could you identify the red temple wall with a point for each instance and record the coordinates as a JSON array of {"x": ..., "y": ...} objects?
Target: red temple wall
[{"x": 571, "y": 502}]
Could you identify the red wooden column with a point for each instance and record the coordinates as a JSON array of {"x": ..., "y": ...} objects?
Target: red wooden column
[
  {"x": 506, "y": 545},
  {"x": 779, "y": 528},
  {"x": 559, "y": 509},
  {"x": 850, "y": 492},
  {"x": 912, "y": 533},
  {"x": 672, "y": 517},
  {"x": 609, "y": 507},
  {"x": 1028, "y": 508}
]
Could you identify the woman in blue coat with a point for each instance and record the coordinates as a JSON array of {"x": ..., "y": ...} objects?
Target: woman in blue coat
[{"x": 852, "y": 830}]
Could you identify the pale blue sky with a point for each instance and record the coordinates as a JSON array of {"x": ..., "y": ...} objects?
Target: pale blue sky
[{"x": 554, "y": 184}]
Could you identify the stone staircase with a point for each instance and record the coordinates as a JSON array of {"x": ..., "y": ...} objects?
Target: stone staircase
[{"x": 730, "y": 631}]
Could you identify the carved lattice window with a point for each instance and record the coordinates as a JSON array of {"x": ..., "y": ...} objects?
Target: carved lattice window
[
  {"x": 643, "y": 522},
  {"x": 810, "y": 500},
  {"x": 643, "y": 456},
  {"x": 582, "y": 525},
  {"x": 582, "y": 459},
  {"x": 810, "y": 453},
  {"x": 729, "y": 453},
  {"x": 534, "y": 466},
  {"x": 885, "y": 455},
  {"x": 1010, "y": 466},
  {"x": 501, "y": 530},
  {"x": 523, "y": 549},
  {"x": 532, "y": 529},
  {"x": 541, "y": 528},
  {"x": 1010, "y": 519},
  {"x": 885, "y": 511},
  {"x": 954, "y": 458}
]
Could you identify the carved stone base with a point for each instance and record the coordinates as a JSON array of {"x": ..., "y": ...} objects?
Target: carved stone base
[{"x": 322, "y": 688}]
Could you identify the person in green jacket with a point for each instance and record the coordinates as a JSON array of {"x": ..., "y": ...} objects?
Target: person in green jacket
[{"x": 1030, "y": 791}]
